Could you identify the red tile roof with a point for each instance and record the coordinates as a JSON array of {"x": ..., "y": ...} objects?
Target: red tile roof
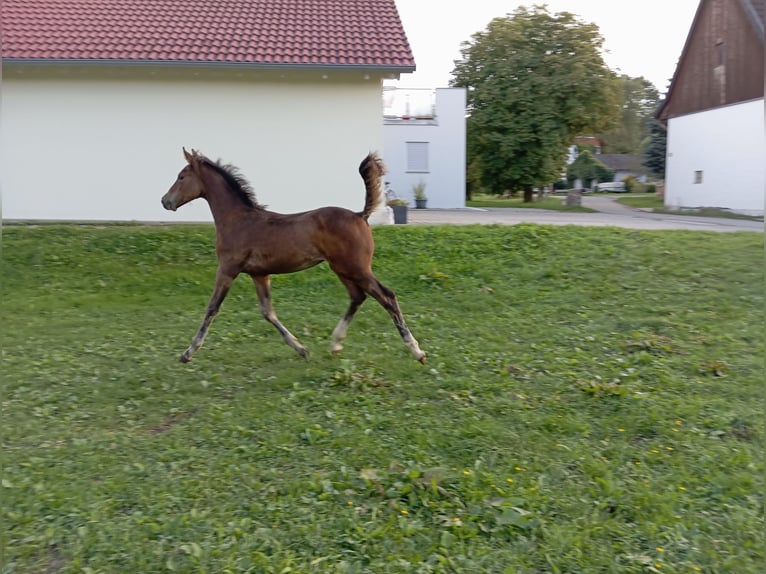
[{"x": 278, "y": 33}]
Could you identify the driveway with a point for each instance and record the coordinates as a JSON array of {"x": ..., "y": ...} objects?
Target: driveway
[{"x": 610, "y": 214}]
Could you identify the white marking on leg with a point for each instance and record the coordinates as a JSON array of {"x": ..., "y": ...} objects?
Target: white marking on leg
[
  {"x": 414, "y": 347},
  {"x": 338, "y": 335}
]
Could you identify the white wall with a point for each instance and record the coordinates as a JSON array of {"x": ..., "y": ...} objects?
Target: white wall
[
  {"x": 79, "y": 144},
  {"x": 445, "y": 182},
  {"x": 727, "y": 145}
]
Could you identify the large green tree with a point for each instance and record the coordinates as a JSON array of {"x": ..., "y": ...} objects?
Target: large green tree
[
  {"x": 638, "y": 99},
  {"x": 535, "y": 80}
]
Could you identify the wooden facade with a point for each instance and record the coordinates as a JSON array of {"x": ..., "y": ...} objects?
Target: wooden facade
[{"x": 722, "y": 61}]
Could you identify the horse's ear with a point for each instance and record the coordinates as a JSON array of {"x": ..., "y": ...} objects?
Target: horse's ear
[{"x": 188, "y": 155}]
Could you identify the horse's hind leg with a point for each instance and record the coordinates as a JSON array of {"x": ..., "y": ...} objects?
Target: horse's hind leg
[
  {"x": 387, "y": 299},
  {"x": 263, "y": 288},
  {"x": 222, "y": 284},
  {"x": 357, "y": 298}
]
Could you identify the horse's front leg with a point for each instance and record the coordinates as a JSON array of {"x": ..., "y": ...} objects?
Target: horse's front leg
[
  {"x": 263, "y": 288},
  {"x": 223, "y": 283}
]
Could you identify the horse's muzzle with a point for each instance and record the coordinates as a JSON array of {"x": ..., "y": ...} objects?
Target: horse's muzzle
[{"x": 168, "y": 204}]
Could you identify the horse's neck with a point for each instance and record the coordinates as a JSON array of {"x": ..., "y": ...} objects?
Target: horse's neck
[{"x": 224, "y": 203}]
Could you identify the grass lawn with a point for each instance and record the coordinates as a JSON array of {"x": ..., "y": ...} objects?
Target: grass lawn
[
  {"x": 551, "y": 202},
  {"x": 592, "y": 402},
  {"x": 656, "y": 205}
]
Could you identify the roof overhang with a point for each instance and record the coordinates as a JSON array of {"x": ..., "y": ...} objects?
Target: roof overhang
[{"x": 374, "y": 69}]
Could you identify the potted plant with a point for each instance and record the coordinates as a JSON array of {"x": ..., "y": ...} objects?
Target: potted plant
[
  {"x": 397, "y": 205},
  {"x": 421, "y": 199},
  {"x": 400, "y": 209}
]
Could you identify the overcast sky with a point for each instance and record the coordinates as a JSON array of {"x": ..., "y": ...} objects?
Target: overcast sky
[{"x": 640, "y": 38}]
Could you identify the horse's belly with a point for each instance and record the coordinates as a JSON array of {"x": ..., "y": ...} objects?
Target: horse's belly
[{"x": 276, "y": 265}]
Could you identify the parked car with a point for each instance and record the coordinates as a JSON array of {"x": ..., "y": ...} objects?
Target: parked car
[{"x": 611, "y": 187}]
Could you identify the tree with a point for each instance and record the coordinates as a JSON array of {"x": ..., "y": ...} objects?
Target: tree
[
  {"x": 587, "y": 168},
  {"x": 654, "y": 155},
  {"x": 638, "y": 99},
  {"x": 535, "y": 81}
]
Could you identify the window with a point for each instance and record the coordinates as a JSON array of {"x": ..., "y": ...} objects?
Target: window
[
  {"x": 698, "y": 176},
  {"x": 417, "y": 156},
  {"x": 721, "y": 50}
]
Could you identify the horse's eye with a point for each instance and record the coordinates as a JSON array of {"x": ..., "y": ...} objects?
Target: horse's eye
[{"x": 180, "y": 176}]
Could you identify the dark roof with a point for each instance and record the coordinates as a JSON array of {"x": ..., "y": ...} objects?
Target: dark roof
[
  {"x": 621, "y": 161},
  {"x": 278, "y": 33}
]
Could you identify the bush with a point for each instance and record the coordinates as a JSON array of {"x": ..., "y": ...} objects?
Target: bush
[
  {"x": 651, "y": 188},
  {"x": 632, "y": 185},
  {"x": 630, "y": 182}
]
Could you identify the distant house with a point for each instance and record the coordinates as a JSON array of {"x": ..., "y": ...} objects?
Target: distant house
[
  {"x": 624, "y": 165},
  {"x": 99, "y": 96},
  {"x": 581, "y": 142},
  {"x": 424, "y": 142},
  {"x": 714, "y": 111}
]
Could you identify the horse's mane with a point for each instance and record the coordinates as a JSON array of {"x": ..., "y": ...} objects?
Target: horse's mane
[{"x": 236, "y": 182}]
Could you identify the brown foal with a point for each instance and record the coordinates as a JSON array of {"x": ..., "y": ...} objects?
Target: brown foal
[{"x": 253, "y": 240}]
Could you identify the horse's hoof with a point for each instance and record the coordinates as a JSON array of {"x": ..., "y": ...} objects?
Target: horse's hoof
[
  {"x": 184, "y": 359},
  {"x": 422, "y": 359}
]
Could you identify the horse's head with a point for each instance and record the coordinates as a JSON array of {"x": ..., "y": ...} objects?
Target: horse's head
[{"x": 188, "y": 186}]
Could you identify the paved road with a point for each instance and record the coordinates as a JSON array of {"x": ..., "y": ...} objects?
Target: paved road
[{"x": 610, "y": 214}]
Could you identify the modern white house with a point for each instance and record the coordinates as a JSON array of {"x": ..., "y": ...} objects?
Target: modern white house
[
  {"x": 425, "y": 143},
  {"x": 714, "y": 111},
  {"x": 99, "y": 96}
]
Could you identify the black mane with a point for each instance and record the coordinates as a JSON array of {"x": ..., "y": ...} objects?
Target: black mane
[{"x": 236, "y": 183}]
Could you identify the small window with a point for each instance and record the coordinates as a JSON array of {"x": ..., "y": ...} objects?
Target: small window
[
  {"x": 721, "y": 50},
  {"x": 417, "y": 156},
  {"x": 698, "y": 176}
]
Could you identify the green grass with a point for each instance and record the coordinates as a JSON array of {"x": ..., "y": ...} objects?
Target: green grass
[
  {"x": 555, "y": 203},
  {"x": 591, "y": 403},
  {"x": 642, "y": 201},
  {"x": 657, "y": 206}
]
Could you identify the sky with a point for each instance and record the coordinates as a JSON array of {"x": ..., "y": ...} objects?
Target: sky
[{"x": 640, "y": 38}]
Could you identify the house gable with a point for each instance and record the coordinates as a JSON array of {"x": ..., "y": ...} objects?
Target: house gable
[{"x": 722, "y": 62}]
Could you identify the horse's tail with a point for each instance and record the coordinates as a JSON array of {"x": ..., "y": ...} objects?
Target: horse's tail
[{"x": 372, "y": 169}]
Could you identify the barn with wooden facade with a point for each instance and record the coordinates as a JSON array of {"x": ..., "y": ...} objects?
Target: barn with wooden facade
[{"x": 714, "y": 111}]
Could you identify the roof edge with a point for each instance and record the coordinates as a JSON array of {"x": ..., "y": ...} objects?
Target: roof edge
[
  {"x": 206, "y": 64},
  {"x": 711, "y": 108},
  {"x": 661, "y": 111},
  {"x": 754, "y": 18}
]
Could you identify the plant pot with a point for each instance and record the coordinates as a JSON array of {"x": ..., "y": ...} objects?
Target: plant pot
[
  {"x": 400, "y": 214},
  {"x": 420, "y": 203}
]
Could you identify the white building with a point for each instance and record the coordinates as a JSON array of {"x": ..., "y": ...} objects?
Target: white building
[
  {"x": 714, "y": 111},
  {"x": 729, "y": 171},
  {"x": 97, "y": 103},
  {"x": 424, "y": 142}
]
